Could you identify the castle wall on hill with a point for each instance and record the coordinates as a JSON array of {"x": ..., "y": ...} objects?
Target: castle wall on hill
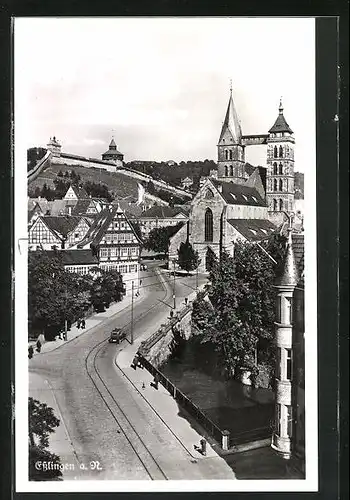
[{"x": 84, "y": 162}]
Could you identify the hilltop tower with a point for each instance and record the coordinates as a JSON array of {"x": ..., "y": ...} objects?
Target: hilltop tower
[
  {"x": 280, "y": 166},
  {"x": 54, "y": 146},
  {"x": 113, "y": 155},
  {"x": 231, "y": 157}
]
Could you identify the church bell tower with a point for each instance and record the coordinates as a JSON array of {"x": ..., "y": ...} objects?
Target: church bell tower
[
  {"x": 280, "y": 166},
  {"x": 231, "y": 156}
]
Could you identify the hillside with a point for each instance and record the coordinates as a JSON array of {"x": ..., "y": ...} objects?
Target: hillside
[{"x": 119, "y": 185}]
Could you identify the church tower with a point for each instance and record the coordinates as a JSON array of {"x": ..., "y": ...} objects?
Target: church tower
[
  {"x": 231, "y": 156},
  {"x": 280, "y": 166}
]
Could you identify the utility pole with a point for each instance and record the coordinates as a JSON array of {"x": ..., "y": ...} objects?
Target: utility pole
[
  {"x": 132, "y": 314},
  {"x": 174, "y": 295},
  {"x": 197, "y": 278}
]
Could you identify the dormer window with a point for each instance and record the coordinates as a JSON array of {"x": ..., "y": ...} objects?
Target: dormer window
[
  {"x": 233, "y": 196},
  {"x": 255, "y": 199}
]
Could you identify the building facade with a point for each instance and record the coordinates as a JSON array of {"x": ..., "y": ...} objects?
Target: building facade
[
  {"x": 60, "y": 232},
  {"x": 157, "y": 217},
  {"x": 289, "y": 433},
  {"x": 222, "y": 213},
  {"x": 114, "y": 241}
]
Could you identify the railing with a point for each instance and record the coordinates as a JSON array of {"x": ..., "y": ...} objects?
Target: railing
[{"x": 221, "y": 436}]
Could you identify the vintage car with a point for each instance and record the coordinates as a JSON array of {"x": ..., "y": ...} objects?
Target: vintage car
[{"x": 116, "y": 336}]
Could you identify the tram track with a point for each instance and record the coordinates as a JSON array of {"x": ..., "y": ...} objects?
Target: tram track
[{"x": 124, "y": 425}]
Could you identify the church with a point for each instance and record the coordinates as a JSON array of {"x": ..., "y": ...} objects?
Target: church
[{"x": 243, "y": 202}]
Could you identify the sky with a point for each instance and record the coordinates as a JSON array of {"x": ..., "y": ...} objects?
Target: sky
[{"x": 160, "y": 86}]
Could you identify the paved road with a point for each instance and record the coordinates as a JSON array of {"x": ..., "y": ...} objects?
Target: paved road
[{"x": 106, "y": 424}]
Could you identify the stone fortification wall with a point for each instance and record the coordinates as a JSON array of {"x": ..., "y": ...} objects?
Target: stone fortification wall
[
  {"x": 157, "y": 348},
  {"x": 82, "y": 161},
  {"x": 39, "y": 167}
]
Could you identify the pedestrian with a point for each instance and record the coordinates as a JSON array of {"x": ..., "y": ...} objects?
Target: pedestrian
[
  {"x": 30, "y": 352},
  {"x": 203, "y": 448},
  {"x": 78, "y": 324},
  {"x": 143, "y": 385},
  {"x": 38, "y": 346},
  {"x": 83, "y": 323}
]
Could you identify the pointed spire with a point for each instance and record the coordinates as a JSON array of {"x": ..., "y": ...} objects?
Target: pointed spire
[
  {"x": 280, "y": 109},
  {"x": 231, "y": 122},
  {"x": 280, "y": 124},
  {"x": 112, "y": 144},
  {"x": 289, "y": 275}
]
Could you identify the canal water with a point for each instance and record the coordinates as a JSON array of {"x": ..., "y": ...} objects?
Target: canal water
[{"x": 243, "y": 410}]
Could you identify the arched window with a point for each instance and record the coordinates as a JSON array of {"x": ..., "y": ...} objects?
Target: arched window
[
  {"x": 275, "y": 205},
  {"x": 280, "y": 169},
  {"x": 226, "y": 170},
  {"x": 281, "y": 185},
  {"x": 231, "y": 171},
  {"x": 275, "y": 168},
  {"x": 281, "y": 152},
  {"x": 281, "y": 205},
  {"x": 226, "y": 154},
  {"x": 231, "y": 153},
  {"x": 275, "y": 185},
  {"x": 208, "y": 225},
  {"x": 275, "y": 153},
  {"x": 209, "y": 194}
]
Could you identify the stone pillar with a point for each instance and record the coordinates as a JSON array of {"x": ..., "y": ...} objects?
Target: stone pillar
[{"x": 225, "y": 441}]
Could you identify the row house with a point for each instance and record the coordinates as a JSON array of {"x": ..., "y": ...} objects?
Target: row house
[
  {"x": 112, "y": 238},
  {"x": 159, "y": 216},
  {"x": 60, "y": 232}
]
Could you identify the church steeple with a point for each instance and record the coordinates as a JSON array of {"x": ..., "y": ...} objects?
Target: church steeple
[
  {"x": 231, "y": 158},
  {"x": 231, "y": 126}
]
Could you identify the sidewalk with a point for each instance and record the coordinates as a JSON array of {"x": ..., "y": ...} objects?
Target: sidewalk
[
  {"x": 94, "y": 320},
  {"x": 163, "y": 404}
]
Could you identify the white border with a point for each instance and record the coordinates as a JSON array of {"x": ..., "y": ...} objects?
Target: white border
[{"x": 21, "y": 368}]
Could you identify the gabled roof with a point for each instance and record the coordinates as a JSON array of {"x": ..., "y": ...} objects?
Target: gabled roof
[
  {"x": 253, "y": 229},
  {"x": 61, "y": 224},
  {"x": 231, "y": 123},
  {"x": 101, "y": 224},
  {"x": 78, "y": 191},
  {"x": 280, "y": 124},
  {"x": 161, "y": 212},
  {"x": 239, "y": 194}
]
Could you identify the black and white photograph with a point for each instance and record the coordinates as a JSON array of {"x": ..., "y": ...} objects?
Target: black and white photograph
[{"x": 166, "y": 288}]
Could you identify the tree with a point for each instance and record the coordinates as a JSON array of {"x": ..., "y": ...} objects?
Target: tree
[
  {"x": 242, "y": 318},
  {"x": 42, "y": 422},
  {"x": 188, "y": 258},
  {"x": 211, "y": 260},
  {"x": 159, "y": 238}
]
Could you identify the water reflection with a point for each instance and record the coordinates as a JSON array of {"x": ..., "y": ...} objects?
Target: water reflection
[{"x": 230, "y": 404}]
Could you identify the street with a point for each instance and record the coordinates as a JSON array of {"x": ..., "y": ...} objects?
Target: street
[{"x": 106, "y": 422}]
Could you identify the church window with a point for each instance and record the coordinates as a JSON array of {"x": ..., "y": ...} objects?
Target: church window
[
  {"x": 231, "y": 153},
  {"x": 280, "y": 169},
  {"x": 289, "y": 364},
  {"x": 281, "y": 185},
  {"x": 275, "y": 205},
  {"x": 209, "y": 194},
  {"x": 275, "y": 184},
  {"x": 281, "y": 205},
  {"x": 275, "y": 153},
  {"x": 275, "y": 168},
  {"x": 289, "y": 420},
  {"x": 231, "y": 170},
  {"x": 226, "y": 171},
  {"x": 281, "y": 152},
  {"x": 226, "y": 154},
  {"x": 208, "y": 229}
]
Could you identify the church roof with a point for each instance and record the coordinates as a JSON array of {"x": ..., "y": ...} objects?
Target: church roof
[
  {"x": 161, "y": 212},
  {"x": 238, "y": 194},
  {"x": 253, "y": 229},
  {"x": 280, "y": 124},
  {"x": 231, "y": 123}
]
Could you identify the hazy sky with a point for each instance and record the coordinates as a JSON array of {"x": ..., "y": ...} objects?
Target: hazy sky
[{"x": 161, "y": 85}]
